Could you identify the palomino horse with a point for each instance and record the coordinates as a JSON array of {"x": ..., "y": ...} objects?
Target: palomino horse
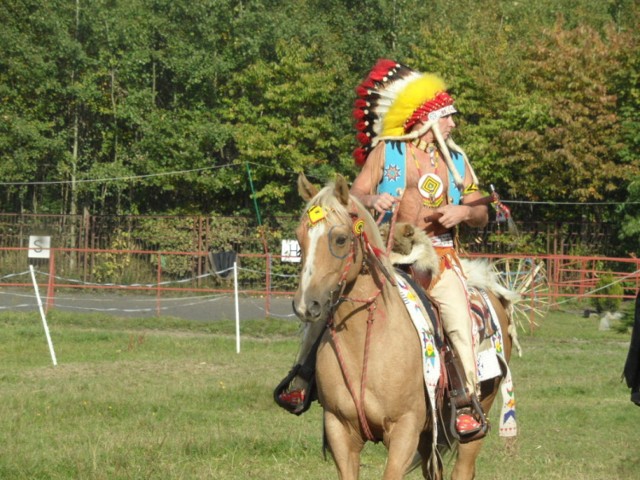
[{"x": 369, "y": 367}]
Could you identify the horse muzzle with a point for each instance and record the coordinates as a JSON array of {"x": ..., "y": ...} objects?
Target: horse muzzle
[{"x": 310, "y": 310}]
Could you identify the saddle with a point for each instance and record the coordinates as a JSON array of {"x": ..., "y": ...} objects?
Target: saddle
[
  {"x": 478, "y": 300},
  {"x": 453, "y": 393}
]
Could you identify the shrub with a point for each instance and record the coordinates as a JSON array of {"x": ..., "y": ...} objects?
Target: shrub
[
  {"x": 606, "y": 286},
  {"x": 110, "y": 266}
]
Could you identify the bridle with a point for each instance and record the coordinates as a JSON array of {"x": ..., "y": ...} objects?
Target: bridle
[{"x": 370, "y": 261}]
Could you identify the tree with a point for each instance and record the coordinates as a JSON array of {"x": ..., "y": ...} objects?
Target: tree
[
  {"x": 564, "y": 136},
  {"x": 630, "y": 214},
  {"x": 96, "y": 93},
  {"x": 35, "y": 47},
  {"x": 281, "y": 119}
]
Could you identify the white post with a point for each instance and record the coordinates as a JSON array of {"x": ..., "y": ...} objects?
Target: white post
[
  {"x": 235, "y": 288},
  {"x": 44, "y": 318}
]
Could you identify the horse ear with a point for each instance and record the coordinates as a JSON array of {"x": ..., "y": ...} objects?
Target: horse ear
[
  {"x": 305, "y": 188},
  {"x": 342, "y": 190}
]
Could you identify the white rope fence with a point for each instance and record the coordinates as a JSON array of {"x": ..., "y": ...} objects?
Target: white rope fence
[
  {"x": 70, "y": 302},
  {"x": 184, "y": 302},
  {"x": 67, "y": 303},
  {"x": 175, "y": 303}
]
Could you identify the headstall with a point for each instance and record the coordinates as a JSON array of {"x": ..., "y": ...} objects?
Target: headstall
[{"x": 369, "y": 258}]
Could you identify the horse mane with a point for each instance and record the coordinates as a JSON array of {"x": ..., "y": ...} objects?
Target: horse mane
[
  {"x": 326, "y": 199},
  {"x": 329, "y": 202}
]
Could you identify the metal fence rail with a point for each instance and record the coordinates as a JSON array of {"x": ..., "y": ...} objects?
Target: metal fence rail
[{"x": 544, "y": 279}]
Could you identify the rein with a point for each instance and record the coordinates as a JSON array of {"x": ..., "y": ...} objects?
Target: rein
[
  {"x": 390, "y": 239},
  {"x": 371, "y": 303}
]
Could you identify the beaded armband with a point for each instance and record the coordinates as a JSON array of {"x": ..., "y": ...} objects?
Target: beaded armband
[{"x": 470, "y": 189}]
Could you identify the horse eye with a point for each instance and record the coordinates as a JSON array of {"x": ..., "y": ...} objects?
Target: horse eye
[{"x": 341, "y": 240}]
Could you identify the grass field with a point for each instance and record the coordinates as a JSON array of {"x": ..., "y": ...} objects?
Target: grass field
[{"x": 170, "y": 399}]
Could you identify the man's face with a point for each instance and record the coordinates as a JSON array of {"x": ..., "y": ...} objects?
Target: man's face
[{"x": 446, "y": 125}]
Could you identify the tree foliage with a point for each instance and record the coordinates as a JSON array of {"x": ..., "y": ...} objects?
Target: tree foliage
[
  {"x": 158, "y": 106},
  {"x": 565, "y": 135}
]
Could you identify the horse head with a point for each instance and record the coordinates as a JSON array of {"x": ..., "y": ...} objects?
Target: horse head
[{"x": 334, "y": 234}]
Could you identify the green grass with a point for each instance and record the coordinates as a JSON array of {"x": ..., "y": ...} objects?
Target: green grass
[{"x": 170, "y": 399}]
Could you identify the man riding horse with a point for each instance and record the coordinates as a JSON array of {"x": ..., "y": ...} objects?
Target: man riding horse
[{"x": 413, "y": 172}]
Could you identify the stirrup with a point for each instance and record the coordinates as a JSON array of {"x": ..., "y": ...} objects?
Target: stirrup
[
  {"x": 475, "y": 411},
  {"x": 293, "y": 398},
  {"x": 466, "y": 424},
  {"x": 294, "y": 401}
]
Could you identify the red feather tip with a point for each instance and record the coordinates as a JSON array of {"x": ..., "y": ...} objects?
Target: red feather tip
[
  {"x": 363, "y": 138},
  {"x": 362, "y": 92},
  {"x": 381, "y": 69},
  {"x": 360, "y": 103},
  {"x": 362, "y": 126},
  {"x": 359, "y": 114},
  {"x": 368, "y": 83},
  {"x": 360, "y": 156}
]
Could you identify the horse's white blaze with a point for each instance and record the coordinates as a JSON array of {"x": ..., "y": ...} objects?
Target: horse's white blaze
[{"x": 315, "y": 234}]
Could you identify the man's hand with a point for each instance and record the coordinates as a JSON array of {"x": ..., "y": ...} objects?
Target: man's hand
[
  {"x": 383, "y": 202},
  {"x": 451, "y": 215}
]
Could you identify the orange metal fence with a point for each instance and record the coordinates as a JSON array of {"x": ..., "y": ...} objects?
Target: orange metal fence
[
  {"x": 570, "y": 276},
  {"x": 544, "y": 279}
]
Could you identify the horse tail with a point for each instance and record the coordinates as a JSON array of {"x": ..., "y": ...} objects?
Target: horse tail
[
  {"x": 481, "y": 275},
  {"x": 507, "y": 299}
]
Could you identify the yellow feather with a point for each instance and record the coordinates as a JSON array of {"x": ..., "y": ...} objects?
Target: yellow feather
[{"x": 414, "y": 94}]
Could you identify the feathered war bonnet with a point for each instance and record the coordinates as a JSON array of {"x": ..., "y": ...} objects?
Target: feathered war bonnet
[{"x": 392, "y": 100}]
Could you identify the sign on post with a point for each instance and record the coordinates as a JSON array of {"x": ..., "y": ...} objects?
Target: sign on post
[
  {"x": 290, "y": 251},
  {"x": 39, "y": 246}
]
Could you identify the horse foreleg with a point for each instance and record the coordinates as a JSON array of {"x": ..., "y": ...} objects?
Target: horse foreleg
[
  {"x": 345, "y": 446},
  {"x": 402, "y": 444},
  {"x": 465, "y": 467}
]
